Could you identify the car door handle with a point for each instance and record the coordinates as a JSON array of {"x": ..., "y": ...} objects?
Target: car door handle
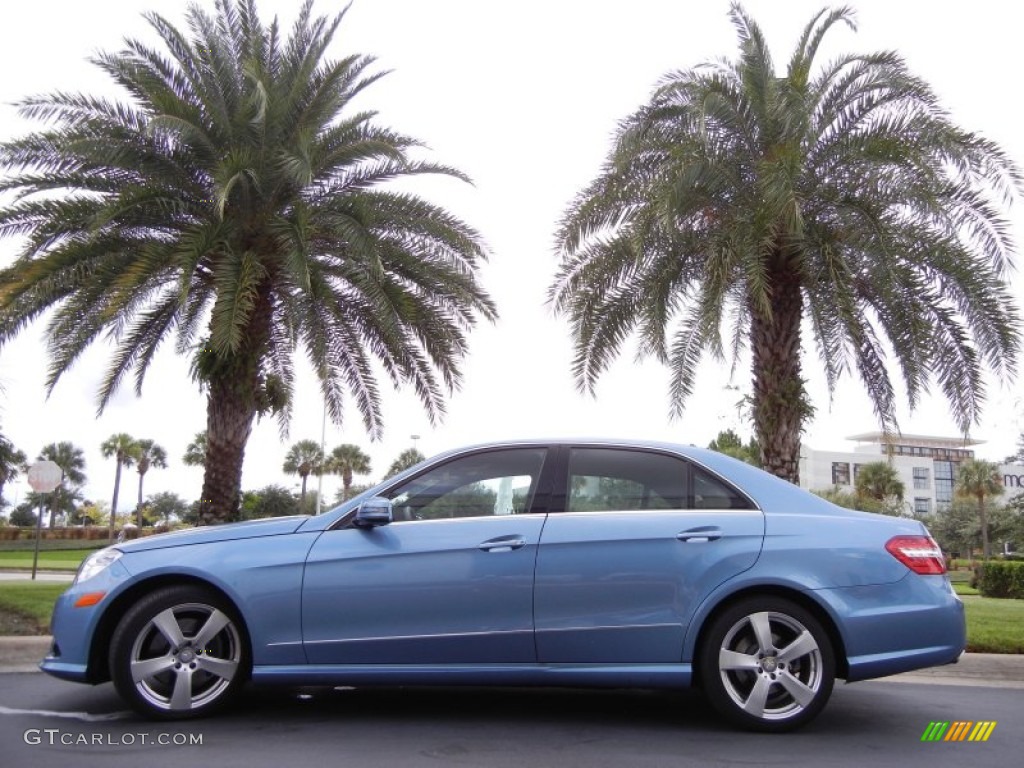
[
  {"x": 502, "y": 544},
  {"x": 699, "y": 535}
]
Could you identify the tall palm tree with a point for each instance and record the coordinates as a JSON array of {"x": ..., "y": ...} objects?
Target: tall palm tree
[
  {"x": 348, "y": 460},
  {"x": 303, "y": 459},
  {"x": 148, "y": 455},
  {"x": 122, "y": 448},
  {"x": 236, "y": 201},
  {"x": 880, "y": 481},
  {"x": 71, "y": 460},
  {"x": 979, "y": 481},
  {"x": 840, "y": 198},
  {"x": 195, "y": 452},
  {"x": 12, "y": 462}
]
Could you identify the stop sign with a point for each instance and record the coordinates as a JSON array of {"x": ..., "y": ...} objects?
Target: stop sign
[{"x": 44, "y": 476}]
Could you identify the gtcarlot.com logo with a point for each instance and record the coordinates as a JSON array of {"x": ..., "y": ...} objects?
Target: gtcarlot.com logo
[
  {"x": 55, "y": 737},
  {"x": 959, "y": 730}
]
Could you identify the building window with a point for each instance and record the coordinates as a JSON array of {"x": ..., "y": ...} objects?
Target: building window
[
  {"x": 921, "y": 479},
  {"x": 922, "y": 506},
  {"x": 945, "y": 471},
  {"x": 840, "y": 473}
]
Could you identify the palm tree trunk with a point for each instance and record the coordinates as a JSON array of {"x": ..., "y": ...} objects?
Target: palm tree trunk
[
  {"x": 229, "y": 415},
  {"x": 778, "y": 390},
  {"x": 113, "y": 503},
  {"x": 303, "y": 496},
  {"x": 138, "y": 507},
  {"x": 986, "y": 550}
]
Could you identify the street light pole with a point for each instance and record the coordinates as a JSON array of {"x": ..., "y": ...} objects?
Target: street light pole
[{"x": 320, "y": 474}]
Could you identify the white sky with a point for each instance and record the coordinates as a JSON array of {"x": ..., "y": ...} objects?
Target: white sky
[{"x": 523, "y": 97}]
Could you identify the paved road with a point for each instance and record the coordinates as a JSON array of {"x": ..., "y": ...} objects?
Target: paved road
[{"x": 868, "y": 724}]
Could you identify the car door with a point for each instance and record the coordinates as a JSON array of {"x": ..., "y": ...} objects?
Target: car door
[
  {"x": 641, "y": 538},
  {"x": 450, "y": 580}
]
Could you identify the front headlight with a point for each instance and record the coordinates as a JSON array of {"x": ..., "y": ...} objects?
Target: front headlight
[{"x": 96, "y": 562}]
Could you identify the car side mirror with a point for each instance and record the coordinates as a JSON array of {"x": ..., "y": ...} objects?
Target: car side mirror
[{"x": 373, "y": 512}]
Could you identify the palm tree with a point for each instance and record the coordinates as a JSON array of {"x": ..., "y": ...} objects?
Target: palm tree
[
  {"x": 236, "y": 201},
  {"x": 407, "y": 458},
  {"x": 841, "y": 197},
  {"x": 978, "y": 481},
  {"x": 304, "y": 458},
  {"x": 880, "y": 481},
  {"x": 122, "y": 447},
  {"x": 71, "y": 459},
  {"x": 195, "y": 452},
  {"x": 348, "y": 460},
  {"x": 12, "y": 462},
  {"x": 148, "y": 455}
]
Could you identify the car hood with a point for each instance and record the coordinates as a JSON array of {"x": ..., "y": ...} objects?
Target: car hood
[{"x": 272, "y": 526}]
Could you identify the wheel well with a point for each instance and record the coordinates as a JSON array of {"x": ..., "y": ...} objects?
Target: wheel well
[
  {"x": 99, "y": 662},
  {"x": 801, "y": 599}
]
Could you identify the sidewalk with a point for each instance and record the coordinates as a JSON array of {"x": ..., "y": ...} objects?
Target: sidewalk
[
  {"x": 993, "y": 670},
  {"x": 26, "y": 575}
]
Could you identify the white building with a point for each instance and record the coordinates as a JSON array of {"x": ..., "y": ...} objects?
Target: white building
[{"x": 927, "y": 465}]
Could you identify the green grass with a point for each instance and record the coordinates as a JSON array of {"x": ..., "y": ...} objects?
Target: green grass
[
  {"x": 54, "y": 559},
  {"x": 961, "y": 583},
  {"x": 995, "y": 626},
  {"x": 34, "y": 600}
]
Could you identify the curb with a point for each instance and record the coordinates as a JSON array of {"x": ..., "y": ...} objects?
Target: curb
[{"x": 23, "y": 654}]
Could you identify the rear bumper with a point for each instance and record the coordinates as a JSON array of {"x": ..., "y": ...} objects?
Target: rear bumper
[{"x": 915, "y": 623}]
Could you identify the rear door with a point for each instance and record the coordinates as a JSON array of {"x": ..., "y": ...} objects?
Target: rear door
[{"x": 642, "y": 537}]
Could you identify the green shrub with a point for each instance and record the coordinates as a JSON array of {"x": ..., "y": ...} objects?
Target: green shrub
[{"x": 1001, "y": 579}]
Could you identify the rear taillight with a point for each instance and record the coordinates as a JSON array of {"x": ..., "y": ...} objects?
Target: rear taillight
[{"x": 919, "y": 553}]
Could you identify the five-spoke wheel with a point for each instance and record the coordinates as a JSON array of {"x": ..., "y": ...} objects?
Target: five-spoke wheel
[
  {"x": 767, "y": 664},
  {"x": 179, "y": 652}
]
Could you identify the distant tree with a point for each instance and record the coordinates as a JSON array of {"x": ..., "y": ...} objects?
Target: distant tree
[
  {"x": 148, "y": 455},
  {"x": 71, "y": 459},
  {"x": 348, "y": 460},
  {"x": 1018, "y": 457},
  {"x": 341, "y": 495},
  {"x": 303, "y": 459},
  {"x": 270, "y": 501},
  {"x": 844, "y": 498},
  {"x": 729, "y": 443},
  {"x": 979, "y": 481},
  {"x": 91, "y": 513},
  {"x": 407, "y": 458},
  {"x": 880, "y": 481},
  {"x": 23, "y": 516},
  {"x": 12, "y": 463},
  {"x": 122, "y": 448},
  {"x": 167, "y": 506},
  {"x": 195, "y": 452}
]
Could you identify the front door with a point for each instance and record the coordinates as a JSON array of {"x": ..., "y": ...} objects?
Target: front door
[{"x": 449, "y": 581}]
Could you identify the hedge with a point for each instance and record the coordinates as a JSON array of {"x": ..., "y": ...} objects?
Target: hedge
[{"x": 998, "y": 578}]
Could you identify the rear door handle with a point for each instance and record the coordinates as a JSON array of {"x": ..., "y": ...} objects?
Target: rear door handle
[
  {"x": 700, "y": 535},
  {"x": 503, "y": 543}
]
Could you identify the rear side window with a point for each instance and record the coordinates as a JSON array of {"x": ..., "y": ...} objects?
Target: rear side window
[{"x": 616, "y": 480}]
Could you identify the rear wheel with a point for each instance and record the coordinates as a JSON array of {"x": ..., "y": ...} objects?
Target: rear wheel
[
  {"x": 179, "y": 652},
  {"x": 767, "y": 664}
]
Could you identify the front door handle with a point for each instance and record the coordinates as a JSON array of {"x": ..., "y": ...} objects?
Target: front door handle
[
  {"x": 701, "y": 535},
  {"x": 503, "y": 543}
]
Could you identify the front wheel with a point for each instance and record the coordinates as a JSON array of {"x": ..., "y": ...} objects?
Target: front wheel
[
  {"x": 767, "y": 664},
  {"x": 179, "y": 652}
]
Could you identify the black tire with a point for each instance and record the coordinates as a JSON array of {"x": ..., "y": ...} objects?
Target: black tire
[
  {"x": 767, "y": 664},
  {"x": 188, "y": 650}
]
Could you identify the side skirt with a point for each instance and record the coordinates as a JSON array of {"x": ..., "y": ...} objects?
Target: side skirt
[{"x": 542, "y": 675}]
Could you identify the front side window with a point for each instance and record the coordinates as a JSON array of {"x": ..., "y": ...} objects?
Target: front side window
[{"x": 479, "y": 485}]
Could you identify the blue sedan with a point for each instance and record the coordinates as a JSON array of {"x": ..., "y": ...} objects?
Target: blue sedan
[{"x": 541, "y": 563}]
